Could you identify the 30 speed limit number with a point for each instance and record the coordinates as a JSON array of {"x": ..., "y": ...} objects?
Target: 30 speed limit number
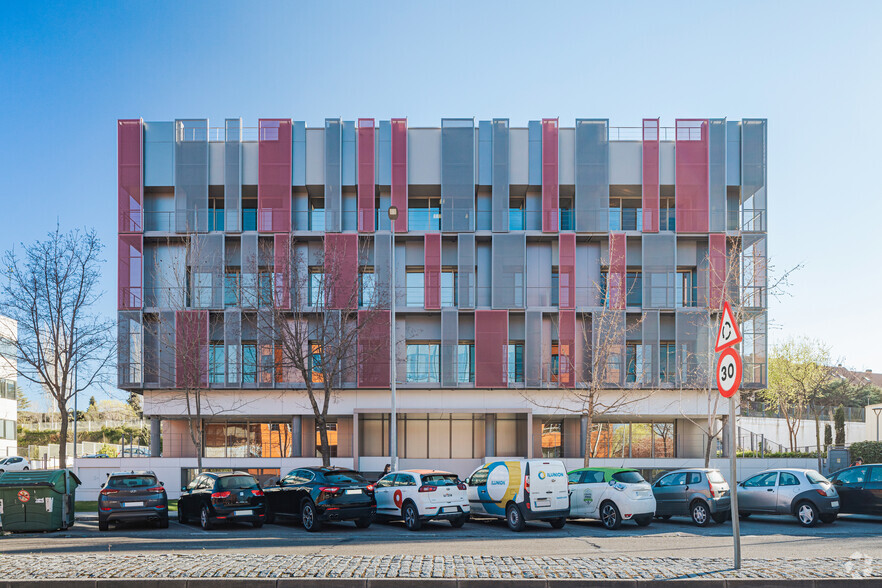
[{"x": 729, "y": 372}]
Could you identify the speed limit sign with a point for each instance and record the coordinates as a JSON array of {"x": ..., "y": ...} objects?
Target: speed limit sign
[{"x": 728, "y": 372}]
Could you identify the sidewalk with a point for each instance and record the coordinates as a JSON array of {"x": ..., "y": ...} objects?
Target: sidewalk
[{"x": 364, "y": 570}]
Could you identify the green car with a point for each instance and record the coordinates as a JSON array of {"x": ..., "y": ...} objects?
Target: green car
[{"x": 611, "y": 495}]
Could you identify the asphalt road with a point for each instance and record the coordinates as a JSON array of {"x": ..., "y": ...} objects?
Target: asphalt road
[{"x": 762, "y": 537}]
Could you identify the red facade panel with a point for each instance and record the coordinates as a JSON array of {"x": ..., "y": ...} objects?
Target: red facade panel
[
  {"x": 399, "y": 172},
  {"x": 550, "y": 178},
  {"x": 191, "y": 348},
  {"x": 692, "y": 176},
  {"x": 130, "y": 177},
  {"x": 717, "y": 269},
  {"x": 567, "y": 270},
  {"x": 650, "y": 175},
  {"x": 491, "y": 348},
  {"x": 366, "y": 176},
  {"x": 274, "y": 176},
  {"x": 617, "y": 280},
  {"x": 281, "y": 270},
  {"x": 341, "y": 270},
  {"x": 374, "y": 342},
  {"x": 130, "y": 271},
  {"x": 432, "y": 271},
  {"x": 566, "y": 350}
]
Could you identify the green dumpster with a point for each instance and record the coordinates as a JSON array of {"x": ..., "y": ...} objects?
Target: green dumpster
[{"x": 37, "y": 500}]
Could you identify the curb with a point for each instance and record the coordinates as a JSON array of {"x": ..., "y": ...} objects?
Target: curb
[{"x": 438, "y": 583}]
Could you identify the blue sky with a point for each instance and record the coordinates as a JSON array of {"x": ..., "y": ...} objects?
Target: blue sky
[{"x": 69, "y": 70}]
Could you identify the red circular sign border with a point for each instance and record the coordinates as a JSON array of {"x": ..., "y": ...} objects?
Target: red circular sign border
[
  {"x": 26, "y": 494},
  {"x": 397, "y": 498},
  {"x": 730, "y": 351}
]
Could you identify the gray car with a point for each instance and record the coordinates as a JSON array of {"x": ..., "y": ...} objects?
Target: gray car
[
  {"x": 132, "y": 496},
  {"x": 805, "y": 494},
  {"x": 700, "y": 493}
]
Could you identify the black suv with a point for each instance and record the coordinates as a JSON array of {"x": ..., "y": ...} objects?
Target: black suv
[
  {"x": 222, "y": 497},
  {"x": 132, "y": 496},
  {"x": 319, "y": 494}
]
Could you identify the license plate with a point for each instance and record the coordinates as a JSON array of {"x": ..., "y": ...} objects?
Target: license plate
[
  {"x": 131, "y": 504},
  {"x": 448, "y": 509},
  {"x": 543, "y": 502},
  {"x": 241, "y": 513},
  {"x": 835, "y": 504},
  {"x": 356, "y": 491}
]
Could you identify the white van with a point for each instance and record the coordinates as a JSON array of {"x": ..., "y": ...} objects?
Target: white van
[{"x": 521, "y": 490}]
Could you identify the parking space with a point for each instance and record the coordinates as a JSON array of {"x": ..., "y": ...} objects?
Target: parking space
[{"x": 763, "y": 537}]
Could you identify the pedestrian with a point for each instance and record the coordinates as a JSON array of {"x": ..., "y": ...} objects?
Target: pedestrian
[
  {"x": 387, "y": 469},
  {"x": 857, "y": 462}
]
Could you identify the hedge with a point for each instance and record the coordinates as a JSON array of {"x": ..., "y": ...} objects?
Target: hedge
[
  {"x": 771, "y": 454},
  {"x": 105, "y": 435},
  {"x": 868, "y": 451}
]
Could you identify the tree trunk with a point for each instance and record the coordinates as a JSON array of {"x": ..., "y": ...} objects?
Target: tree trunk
[
  {"x": 62, "y": 439},
  {"x": 587, "y": 458},
  {"x": 818, "y": 437},
  {"x": 323, "y": 441},
  {"x": 707, "y": 450}
]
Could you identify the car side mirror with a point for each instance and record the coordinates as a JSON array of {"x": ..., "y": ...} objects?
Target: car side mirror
[
  {"x": 183, "y": 489},
  {"x": 162, "y": 484},
  {"x": 837, "y": 482}
]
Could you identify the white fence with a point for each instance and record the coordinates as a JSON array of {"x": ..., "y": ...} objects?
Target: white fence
[{"x": 86, "y": 425}]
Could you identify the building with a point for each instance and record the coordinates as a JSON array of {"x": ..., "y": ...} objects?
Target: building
[
  {"x": 513, "y": 245},
  {"x": 8, "y": 388}
]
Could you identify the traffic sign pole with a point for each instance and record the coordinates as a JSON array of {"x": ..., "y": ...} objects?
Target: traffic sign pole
[{"x": 733, "y": 485}]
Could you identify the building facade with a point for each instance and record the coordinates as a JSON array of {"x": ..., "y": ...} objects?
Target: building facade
[
  {"x": 8, "y": 388},
  {"x": 515, "y": 249}
]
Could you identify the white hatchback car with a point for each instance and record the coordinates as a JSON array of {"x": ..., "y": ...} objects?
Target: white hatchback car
[
  {"x": 14, "y": 464},
  {"x": 416, "y": 496},
  {"x": 611, "y": 495}
]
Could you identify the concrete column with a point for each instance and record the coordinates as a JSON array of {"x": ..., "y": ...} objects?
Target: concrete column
[
  {"x": 583, "y": 435},
  {"x": 296, "y": 436},
  {"x": 529, "y": 435},
  {"x": 726, "y": 435},
  {"x": 355, "y": 442},
  {"x": 155, "y": 435},
  {"x": 489, "y": 435}
]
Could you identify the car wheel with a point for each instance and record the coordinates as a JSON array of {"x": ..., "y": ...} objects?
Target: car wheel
[
  {"x": 514, "y": 518},
  {"x": 662, "y": 517},
  {"x": 700, "y": 514},
  {"x": 643, "y": 520},
  {"x": 828, "y": 518},
  {"x": 743, "y": 515},
  {"x": 163, "y": 523},
  {"x": 26, "y": 468},
  {"x": 720, "y": 517},
  {"x": 807, "y": 514},
  {"x": 257, "y": 524},
  {"x": 558, "y": 523},
  {"x": 103, "y": 525},
  {"x": 309, "y": 517},
  {"x": 205, "y": 519},
  {"x": 270, "y": 518},
  {"x": 411, "y": 517},
  {"x": 459, "y": 521},
  {"x": 363, "y": 523},
  {"x": 610, "y": 516},
  {"x": 182, "y": 518}
]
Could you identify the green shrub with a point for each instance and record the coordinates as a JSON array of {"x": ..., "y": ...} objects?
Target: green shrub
[
  {"x": 869, "y": 451},
  {"x": 776, "y": 454}
]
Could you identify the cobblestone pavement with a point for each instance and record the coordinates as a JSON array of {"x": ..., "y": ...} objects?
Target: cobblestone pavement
[{"x": 409, "y": 566}]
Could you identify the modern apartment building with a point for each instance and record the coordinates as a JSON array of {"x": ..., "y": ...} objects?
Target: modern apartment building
[
  {"x": 8, "y": 388},
  {"x": 512, "y": 247}
]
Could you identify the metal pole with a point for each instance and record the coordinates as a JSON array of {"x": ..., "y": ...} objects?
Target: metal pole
[
  {"x": 733, "y": 483},
  {"x": 877, "y": 411},
  {"x": 393, "y": 424},
  {"x": 74, "y": 461}
]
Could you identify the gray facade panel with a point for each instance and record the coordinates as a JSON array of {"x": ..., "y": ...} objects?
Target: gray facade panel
[
  {"x": 298, "y": 153},
  {"x": 659, "y": 269},
  {"x": 500, "y": 174},
  {"x": 466, "y": 270},
  {"x": 384, "y": 153},
  {"x": 753, "y": 174},
  {"x": 592, "y": 175},
  {"x": 159, "y": 154},
  {"x": 449, "y": 342},
  {"x": 191, "y": 176},
  {"x": 333, "y": 175},
  {"x": 130, "y": 368},
  {"x": 233, "y": 175},
  {"x": 457, "y": 175},
  {"x": 693, "y": 351},
  {"x": 383, "y": 267},
  {"x": 349, "y": 152},
  {"x": 248, "y": 276},
  {"x": 206, "y": 261},
  {"x": 651, "y": 337},
  {"x": 509, "y": 270},
  {"x": 733, "y": 153},
  {"x": 485, "y": 153},
  {"x": 717, "y": 175},
  {"x": 534, "y": 130},
  {"x": 233, "y": 347}
]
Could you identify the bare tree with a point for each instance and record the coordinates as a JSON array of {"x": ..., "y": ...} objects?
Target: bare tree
[
  {"x": 61, "y": 344},
  {"x": 328, "y": 323}
]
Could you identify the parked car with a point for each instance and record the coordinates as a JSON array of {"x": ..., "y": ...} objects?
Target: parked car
[
  {"x": 222, "y": 497},
  {"x": 132, "y": 496},
  {"x": 14, "y": 463},
  {"x": 700, "y": 493},
  {"x": 610, "y": 495},
  {"x": 805, "y": 494},
  {"x": 94, "y": 455},
  {"x": 860, "y": 489},
  {"x": 319, "y": 494},
  {"x": 520, "y": 491},
  {"x": 416, "y": 496}
]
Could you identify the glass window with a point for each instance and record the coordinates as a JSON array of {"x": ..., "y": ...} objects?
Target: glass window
[
  {"x": 345, "y": 477},
  {"x": 641, "y": 440},
  {"x": 555, "y": 287},
  {"x": 765, "y": 480},
  {"x": 317, "y": 376},
  {"x": 237, "y": 440},
  {"x": 715, "y": 477},
  {"x": 515, "y": 362},
  {"x": 853, "y": 476},
  {"x": 593, "y": 477},
  {"x": 634, "y": 296},
  {"x": 479, "y": 478},
  {"x": 316, "y": 218},
  {"x": 265, "y": 288},
  {"x": 249, "y": 219},
  {"x": 249, "y": 363},
  {"x": 678, "y": 479},
  {"x": 667, "y": 362},
  {"x": 367, "y": 287},
  {"x": 788, "y": 479},
  {"x": 628, "y": 477},
  {"x": 424, "y": 214},
  {"x": 552, "y": 439},
  {"x": 448, "y": 287},
  {"x": 574, "y": 477},
  {"x": 875, "y": 475},
  {"x": 423, "y": 362},
  {"x": 439, "y": 479},
  {"x": 316, "y": 286},
  {"x": 231, "y": 289},
  {"x": 405, "y": 480},
  {"x": 215, "y": 440},
  {"x": 693, "y": 478},
  {"x": 634, "y": 363},
  {"x": 515, "y": 219},
  {"x": 415, "y": 285},
  {"x": 386, "y": 481},
  {"x": 465, "y": 363},
  {"x": 687, "y": 289},
  {"x": 216, "y": 363},
  {"x": 615, "y": 218},
  {"x": 332, "y": 439},
  {"x": 236, "y": 483}
]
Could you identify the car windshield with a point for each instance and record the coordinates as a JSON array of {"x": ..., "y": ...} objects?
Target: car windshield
[
  {"x": 131, "y": 482},
  {"x": 715, "y": 477},
  {"x": 628, "y": 477},
  {"x": 3, "y": 461},
  {"x": 816, "y": 478},
  {"x": 440, "y": 479},
  {"x": 236, "y": 482},
  {"x": 344, "y": 477}
]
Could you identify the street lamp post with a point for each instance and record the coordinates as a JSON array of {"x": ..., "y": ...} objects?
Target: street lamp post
[
  {"x": 393, "y": 376},
  {"x": 877, "y": 410}
]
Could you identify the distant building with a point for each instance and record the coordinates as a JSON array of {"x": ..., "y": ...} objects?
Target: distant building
[
  {"x": 510, "y": 243},
  {"x": 8, "y": 388}
]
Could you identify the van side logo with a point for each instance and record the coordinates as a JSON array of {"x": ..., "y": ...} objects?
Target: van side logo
[{"x": 541, "y": 475}]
